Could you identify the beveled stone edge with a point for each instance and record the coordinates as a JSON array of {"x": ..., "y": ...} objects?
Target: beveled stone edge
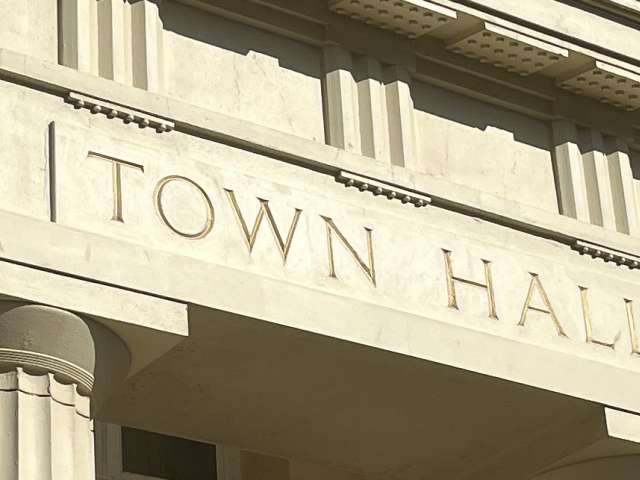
[{"x": 531, "y": 36}]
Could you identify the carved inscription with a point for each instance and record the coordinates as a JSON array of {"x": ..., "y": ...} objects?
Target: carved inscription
[
  {"x": 116, "y": 174},
  {"x": 588, "y": 327},
  {"x": 157, "y": 196},
  {"x": 265, "y": 211},
  {"x": 536, "y": 298},
  {"x": 367, "y": 267},
  {"x": 633, "y": 332},
  {"x": 536, "y": 286},
  {"x": 452, "y": 279}
]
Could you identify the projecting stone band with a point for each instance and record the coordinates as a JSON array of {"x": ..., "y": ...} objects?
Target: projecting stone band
[{"x": 48, "y": 363}]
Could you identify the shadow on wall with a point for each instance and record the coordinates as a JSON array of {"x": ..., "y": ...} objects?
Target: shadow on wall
[
  {"x": 266, "y": 387},
  {"x": 480, "y": 115},
  {"x": 242, "y": 71},
  {"x": 240, "y": 38},
  {"x": 248, "y": 73},
  {"x": 485, "y": 147},
  {"x": 635, "y": 164}
]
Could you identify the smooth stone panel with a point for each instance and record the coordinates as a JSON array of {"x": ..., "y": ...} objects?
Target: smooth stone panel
[
  {"x": 484, "y": 147},
  {"x": 243, "y": 71}
]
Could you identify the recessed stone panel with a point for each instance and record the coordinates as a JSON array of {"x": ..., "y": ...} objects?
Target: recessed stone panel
[{"x": 411, "y": 18}]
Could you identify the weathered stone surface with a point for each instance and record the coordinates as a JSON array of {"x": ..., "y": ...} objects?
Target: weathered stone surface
[{"x": 230, "y": 189}]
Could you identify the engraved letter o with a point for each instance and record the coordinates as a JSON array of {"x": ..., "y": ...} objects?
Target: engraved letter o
[{"x": 206, "y": 228}]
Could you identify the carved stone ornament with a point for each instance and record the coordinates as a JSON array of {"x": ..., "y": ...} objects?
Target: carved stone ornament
[
  {"x": 607, "y": 254},
  {"x": 127, "y": 115},
  {"x": 379, "y": 188}
]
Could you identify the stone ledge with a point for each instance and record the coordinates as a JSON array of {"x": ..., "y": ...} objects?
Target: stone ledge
[
  {"x": 425, "y": 336},
  {"x": 127, "y": 312}
]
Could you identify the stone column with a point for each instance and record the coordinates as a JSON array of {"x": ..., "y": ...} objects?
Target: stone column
[{"x": 55, "y": 370}]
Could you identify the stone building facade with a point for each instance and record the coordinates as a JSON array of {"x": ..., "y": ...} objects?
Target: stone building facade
[{"x": 319, "y": 239}]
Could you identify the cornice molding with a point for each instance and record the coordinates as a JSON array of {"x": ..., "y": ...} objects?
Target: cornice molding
[
  {"x": 320, "y": 26},
  {"x": 627, "y": 8},
  {"x": 505, "y": 45}
]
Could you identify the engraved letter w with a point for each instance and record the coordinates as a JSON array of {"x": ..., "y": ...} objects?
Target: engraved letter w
[{"x": 265, "y": 211}]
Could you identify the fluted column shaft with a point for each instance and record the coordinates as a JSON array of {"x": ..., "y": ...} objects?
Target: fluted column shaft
[
  {"x": 47, "y": 431},
  {"x": 51, "y": 365}
]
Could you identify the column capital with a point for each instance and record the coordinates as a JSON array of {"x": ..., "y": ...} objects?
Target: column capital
[
  {"x": 43, "y": 339},
  {"x": 55, "y": 368}
]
